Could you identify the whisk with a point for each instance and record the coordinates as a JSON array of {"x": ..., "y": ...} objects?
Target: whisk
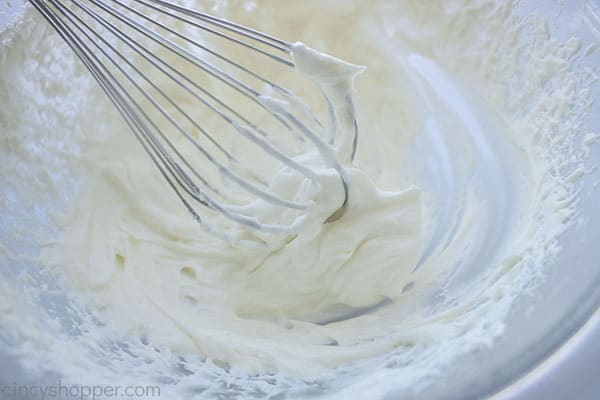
[{"x": 192, "y": 87}]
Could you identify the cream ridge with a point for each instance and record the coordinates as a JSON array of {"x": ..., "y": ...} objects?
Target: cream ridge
[{"x": 464, "y": 176}]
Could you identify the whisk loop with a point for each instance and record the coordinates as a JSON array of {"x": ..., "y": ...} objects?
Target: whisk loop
[{"x": 188, "y": 85}]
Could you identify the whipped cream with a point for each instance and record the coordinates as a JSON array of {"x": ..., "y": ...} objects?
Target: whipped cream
[
  {"x": 152, "y": 268},
  {"x": 461, "y": 182}
]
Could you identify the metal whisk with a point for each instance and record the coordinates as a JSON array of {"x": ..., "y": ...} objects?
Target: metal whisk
[{"x": 180, "y": 78}]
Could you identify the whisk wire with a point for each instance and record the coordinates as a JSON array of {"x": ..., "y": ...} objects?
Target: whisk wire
[
  {"x": 210, "y": 69},
  {"x": 248, "y": 186},
  {"x": 231, "y": 26},
  {"x": 141, "y": 131},
  {"x": 262, "y": 38},
  {"x": 80, "y": 31}
]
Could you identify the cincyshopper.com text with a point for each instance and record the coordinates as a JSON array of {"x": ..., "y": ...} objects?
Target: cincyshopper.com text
[{"x": 61, "y": 391}]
